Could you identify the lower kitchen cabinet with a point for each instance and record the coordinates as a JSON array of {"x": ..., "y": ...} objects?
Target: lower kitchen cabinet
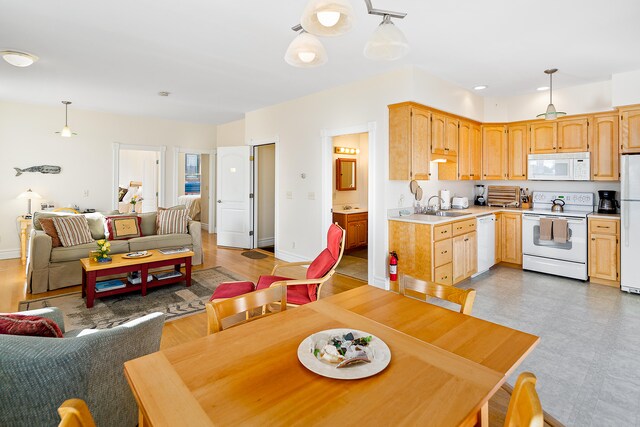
[
  {"x": 509, "y": 237},
  {"x": 465, "y": 256},
  {"x": 604, "y": 251},
  {"x": 356, "y": 225}
]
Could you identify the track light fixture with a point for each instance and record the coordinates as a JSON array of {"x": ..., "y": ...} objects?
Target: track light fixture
[{"x": 329, "y": 18}]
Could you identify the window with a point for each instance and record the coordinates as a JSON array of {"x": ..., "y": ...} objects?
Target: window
[{"x": 191, "y": 173}]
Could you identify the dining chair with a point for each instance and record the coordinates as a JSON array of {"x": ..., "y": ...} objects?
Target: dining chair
[
  {"x": 524, "y": 409},
  {"x": 75, "y": 413},
  {"x": 462, "y": 297},
  {"x": 220, "y": 309}
]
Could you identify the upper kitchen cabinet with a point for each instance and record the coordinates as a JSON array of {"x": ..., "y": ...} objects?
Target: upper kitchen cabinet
[
  {"x": 438, "y": 134},
  {"x": 469, "y": 151},
  {"x": 573, "y": 135},
  {"x": 604, "y": 147},
  {"x": 630, "y": 129},
  {"x": 409, "y": 142},
  {"x": 452, "y": 127},
  {"x": 494, "y": 152},
  {"x": 518, "y": 150},
  {"x": 543, "y": 137}
]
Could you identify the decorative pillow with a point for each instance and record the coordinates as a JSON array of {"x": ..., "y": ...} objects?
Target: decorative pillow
[
  {"x": 37, "y": 216},
  {"x": 121, "y": 192},
  {"x": 96, "y": 224},
  {"x": 73, "y": 230},
  {"x": 50, "y": 229},
  {"x": 35, "y": 326},
  {"x": 123, "y": 227},
  {"x": 172, "y": 221}
]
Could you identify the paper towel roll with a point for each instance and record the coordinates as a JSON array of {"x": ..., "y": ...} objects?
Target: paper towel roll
[{"x": 446, "y": 199}]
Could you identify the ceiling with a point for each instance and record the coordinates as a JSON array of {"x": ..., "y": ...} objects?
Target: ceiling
[{"x": 220, "y": 59}]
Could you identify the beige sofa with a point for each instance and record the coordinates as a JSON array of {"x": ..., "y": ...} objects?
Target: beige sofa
[{"x": 51, "y": 268}]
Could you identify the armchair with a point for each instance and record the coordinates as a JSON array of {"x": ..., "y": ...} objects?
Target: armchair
[{"x": 38, "y": 374}]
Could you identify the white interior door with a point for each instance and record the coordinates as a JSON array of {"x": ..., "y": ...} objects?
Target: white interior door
[{"x": 233, "y": 188}]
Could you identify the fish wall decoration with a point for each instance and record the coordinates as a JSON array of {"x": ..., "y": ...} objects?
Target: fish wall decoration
[{"x": 42, "y": 169}]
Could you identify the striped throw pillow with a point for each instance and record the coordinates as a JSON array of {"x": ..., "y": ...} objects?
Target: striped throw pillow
[
  {"x": 172, "y": 221},
  {"x": 73, "y": 230}
]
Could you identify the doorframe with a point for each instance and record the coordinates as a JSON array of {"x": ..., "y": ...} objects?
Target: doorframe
[
  {"x": 254, "y": 216},
  {"x": 117, "y": 147},
  {"x": 212, "y": 171},
  {"x": 327, "y": 136}
]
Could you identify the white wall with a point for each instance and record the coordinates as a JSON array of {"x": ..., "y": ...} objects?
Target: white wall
[
  {"x": 27, "y": 139},
  {"x": 589, "y": 98},
  {"x": 626, "y": 88},
  {"x": 231, "y": 134},
  {"x": 299, "y": 123}
]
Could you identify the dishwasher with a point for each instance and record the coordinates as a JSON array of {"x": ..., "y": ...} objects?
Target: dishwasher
[{"x": 486, "y": 243}]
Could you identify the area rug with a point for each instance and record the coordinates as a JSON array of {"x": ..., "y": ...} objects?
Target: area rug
[
  {"x": 353, "y": 267},
  {"x": 174, "y": 301},
  {"x": 254, "y": 255}
]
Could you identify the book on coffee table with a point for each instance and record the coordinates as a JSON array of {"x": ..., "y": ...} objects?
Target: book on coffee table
[
  {"x": 170, "y": 251},
  {"x": 109, "y": 285}
]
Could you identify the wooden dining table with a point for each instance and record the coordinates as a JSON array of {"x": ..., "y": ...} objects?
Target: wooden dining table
[{"x": 444, "y": 368}]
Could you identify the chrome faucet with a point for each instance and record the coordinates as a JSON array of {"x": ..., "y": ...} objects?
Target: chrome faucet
[{"x": 435, "y": 207}]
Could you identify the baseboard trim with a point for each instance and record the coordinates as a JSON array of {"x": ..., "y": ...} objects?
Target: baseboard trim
[
  {"x": 269, "y": 241},
  {"x": 380, "y": 282},
  {"x": 289, "y": 257},
  {"x": 10, "y": 254}
]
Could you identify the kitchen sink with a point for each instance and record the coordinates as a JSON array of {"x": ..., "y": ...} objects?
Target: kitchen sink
[{"x": 445, "y": 213}]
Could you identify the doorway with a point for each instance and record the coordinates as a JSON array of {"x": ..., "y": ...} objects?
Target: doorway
[
  {"x": 350, "y": 200},
  {"x": 193, "y": 184},
  {"x": 264, "y": 201},
  {"x": 137, "y": 176}
]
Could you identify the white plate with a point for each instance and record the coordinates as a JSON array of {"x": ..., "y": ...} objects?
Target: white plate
[
  {"x": 378, "y": 351},
  {"x": 140, "y": 254}
]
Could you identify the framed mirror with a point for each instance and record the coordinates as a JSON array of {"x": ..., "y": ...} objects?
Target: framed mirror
[{"x": 346, "y": 174}]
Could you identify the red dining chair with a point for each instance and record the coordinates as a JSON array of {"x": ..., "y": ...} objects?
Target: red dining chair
[{"x": 299, "y": 291}]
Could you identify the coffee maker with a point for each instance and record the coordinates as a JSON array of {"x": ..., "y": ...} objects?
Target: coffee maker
[
  {"x": 608, "y": 203},
  {"x": 480, "y": 199}
]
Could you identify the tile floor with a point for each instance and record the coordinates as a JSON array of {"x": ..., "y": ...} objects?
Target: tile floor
[{"x": 588, "y": 358}]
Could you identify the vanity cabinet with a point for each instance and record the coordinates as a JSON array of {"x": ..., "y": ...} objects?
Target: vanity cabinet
[
  {"x": 604, "y": 251},
  {"x": 630, "y": 129},
  {"x": 604, "y": 148},
  {"x": 356, "y": 226},
  {"x": 409, "y": 142}
]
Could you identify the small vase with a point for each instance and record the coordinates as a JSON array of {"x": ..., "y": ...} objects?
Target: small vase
[{"x": 107, "y": 259}]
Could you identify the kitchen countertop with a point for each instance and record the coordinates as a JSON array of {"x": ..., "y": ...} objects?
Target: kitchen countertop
[
  {"x": 350, "y": 211},
  {"x": 604, "y": 216},
  {"x": 471, "y": 212}
]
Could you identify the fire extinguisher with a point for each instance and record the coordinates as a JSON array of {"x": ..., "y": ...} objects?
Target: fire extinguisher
[{"x": 393, "y": 266}]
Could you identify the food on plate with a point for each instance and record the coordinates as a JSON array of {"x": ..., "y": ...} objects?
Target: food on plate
[{"x": 343, "y": 350}]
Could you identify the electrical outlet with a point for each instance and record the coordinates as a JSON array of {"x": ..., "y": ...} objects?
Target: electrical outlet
[
  {"x": 289, "y": 194},
  {"x": 311, "y": 195},
  {"x": 293, "y": 245},
  {"x": 86, "y": 193}
]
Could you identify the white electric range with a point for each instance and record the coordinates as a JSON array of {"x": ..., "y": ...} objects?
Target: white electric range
[{"x": 567, "y": 259}]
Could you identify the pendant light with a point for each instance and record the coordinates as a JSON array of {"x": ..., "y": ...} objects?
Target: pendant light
[
  {"x": 305, "y": 51},
  {"x": 387, "y": 42},
  {"x": 327, "y": 18},
  {"x": 66, "y": 131},
  {"x": 551, "y": 113}
]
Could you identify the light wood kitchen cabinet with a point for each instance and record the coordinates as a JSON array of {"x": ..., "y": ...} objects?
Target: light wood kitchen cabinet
[
  {"x": 357, "y": 227},
  {"x": 604, "y": 251},
  {"x": 573, "y": 135},
  {"x": 604, "y": 148},
  {"x": 469, "y": 151},
  {"x": 498, "y": 246},
  {"x": 543, "y": 137},
  {"x": 409, "y": 142},
  {"x": 494, "y": 152},
  {"x": 518, "y": 150},
  {"x": 452, "y": 127},
  {"x": 438, "y": 134},
  {"x": 510, "y": 237},
  {"x": 630, "y": 130},
  {"x": 465, "y": 256}
]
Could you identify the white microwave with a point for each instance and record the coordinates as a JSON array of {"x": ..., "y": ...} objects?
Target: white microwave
[{"x": 559, "y": 167}]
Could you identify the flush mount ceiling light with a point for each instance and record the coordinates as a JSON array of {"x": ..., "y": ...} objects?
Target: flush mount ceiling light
[
  {"x": 305, "y": 51},
  {"x": 66, "y": 131},
  {"x": 327, "y": 18},
  {"x": 542, "y": 88},
  {"x": 551, "y": 113},
  {"x": 18, "y": 59},
  {"x": 330, "y": 18},
  {"x": 480, "y": 87}
]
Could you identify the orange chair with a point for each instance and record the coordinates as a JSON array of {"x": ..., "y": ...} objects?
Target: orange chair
[
  {"x": 75, "y": 413},
  {"x": 524, "y": 407},
  {"x": 299, "y": 291}
]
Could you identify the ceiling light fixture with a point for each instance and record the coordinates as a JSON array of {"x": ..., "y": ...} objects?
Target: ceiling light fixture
[
  {"x": 164, "y": 93},
  {"x": 480, "y": 87},
  {"x": 18, "y": 59},
  {"x": 346, "y": 150},
  {"x": 551, "y": 113},
  {"x": 328, "y": 18},
  {"x": 542, "y": 88},
  {"x": 66, "y": 131},
  {"x": 305, "y": 51}
]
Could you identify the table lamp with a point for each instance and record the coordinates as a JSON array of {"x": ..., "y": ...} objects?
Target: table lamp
[{"x": 29, "y": 195}]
